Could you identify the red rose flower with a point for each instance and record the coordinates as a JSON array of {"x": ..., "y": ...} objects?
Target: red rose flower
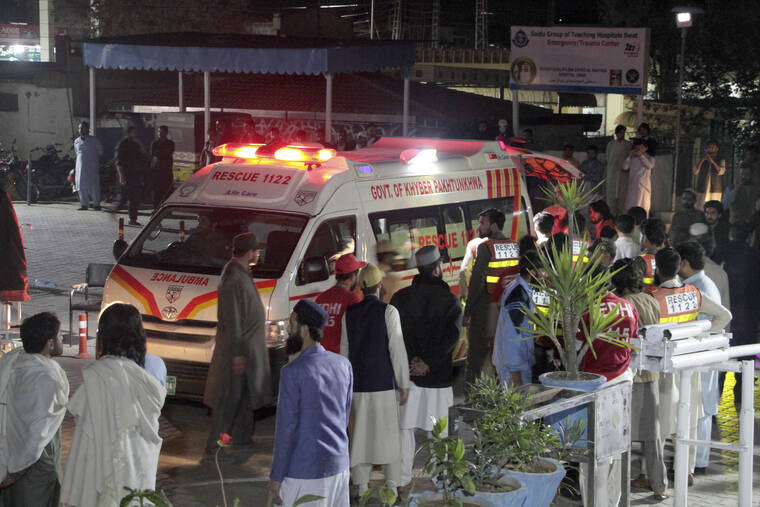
[{"x": 224, "y": 439}]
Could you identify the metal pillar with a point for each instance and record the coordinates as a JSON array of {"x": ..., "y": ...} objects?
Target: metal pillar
[
  {"x": 406, "y": 103},
  {"x": 515, "y": 112},
  {"x": 206, "y": 102},
  {"x": 678, "y": 113},
  {"x": 328, "y": 107},
  {"x": 180, "y": 92},
  {"x": 435, "y": 23},
  {"x": 396, "y": 20},
  {"x": 481, "y": 24},
  {"x": 92, "y": 101},
  {"x": 372, "y": 19}
]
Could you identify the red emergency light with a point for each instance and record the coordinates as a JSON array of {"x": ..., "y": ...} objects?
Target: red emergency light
[{"x": 314, "y": 154}]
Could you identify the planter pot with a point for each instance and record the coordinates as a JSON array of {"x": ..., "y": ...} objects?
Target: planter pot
[
  {"x": 541, "y": 487},
  {"x": 434, "y": 499},
  {"x": 514, "y": 498},
  {"x": 584, "y": 382}
]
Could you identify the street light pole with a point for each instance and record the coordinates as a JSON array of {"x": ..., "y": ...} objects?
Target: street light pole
[{"x": 678, "y": 113}]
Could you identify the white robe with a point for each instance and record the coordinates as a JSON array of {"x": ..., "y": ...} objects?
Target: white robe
[
  {"x": 116, "y": 442},
  {"x": 376, "y": 432},
  {"x": 639, "y": 191},
  {"x": 34, "y": 391},
  {"x": 87, "y": 167}
]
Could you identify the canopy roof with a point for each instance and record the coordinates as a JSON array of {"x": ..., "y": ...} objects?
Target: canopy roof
[{"x": 201, "y": 52}]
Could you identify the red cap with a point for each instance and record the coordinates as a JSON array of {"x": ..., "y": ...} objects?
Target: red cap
[{"x": 347, "y": 264}]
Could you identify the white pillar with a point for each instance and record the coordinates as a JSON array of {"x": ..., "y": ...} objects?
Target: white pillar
[
  {"x": 639, "y": 110},
  {"x": 206, "y": 102},
  {"x": 515, "y": 112},
  {"x": 405, "y": 129},
  {"x": 181, "y": 92},
  {"x": 47, "y": 37},
  {"x": 92, "y": 101},
  {"x": 328, "y": 107},
  {"x": 683, "y": 421},
  {"x": 746, "y": 433}
]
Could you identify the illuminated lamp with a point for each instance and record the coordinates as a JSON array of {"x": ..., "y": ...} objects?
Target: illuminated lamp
[
  {"x": 415, "y": 156},
  {"x": 237, "y": 150},
  {"x": 326, "y": 154}
]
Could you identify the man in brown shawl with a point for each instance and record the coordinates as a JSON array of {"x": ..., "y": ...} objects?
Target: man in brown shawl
[{"x": 238, "y": 379}]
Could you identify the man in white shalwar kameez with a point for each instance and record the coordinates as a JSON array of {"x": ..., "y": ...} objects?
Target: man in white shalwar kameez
[
  {"x": 33, "y": 395},
  {"x": 87, "y": 170},
  {"x": 372, "y": 340},
  {"x": 116, "y": 442},
  {"x": 639, "y": 167}
]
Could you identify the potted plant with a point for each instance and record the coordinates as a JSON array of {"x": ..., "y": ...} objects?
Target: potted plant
[
  {"x": 449, "y": 468},
  {"x": 507, "y": 447},
  {"x": 573, "y": 290}
]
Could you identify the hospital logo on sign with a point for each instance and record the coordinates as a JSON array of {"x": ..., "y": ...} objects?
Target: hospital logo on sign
[{"x": 520, "y": 39}]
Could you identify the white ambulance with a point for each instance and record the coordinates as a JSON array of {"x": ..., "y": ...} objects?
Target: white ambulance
[{"x": 307, "y": 205}]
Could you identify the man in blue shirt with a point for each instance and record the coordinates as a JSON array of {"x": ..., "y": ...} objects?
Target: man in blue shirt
[
  {"x": 692, "y": 271},
  {"x": 513, "y": 355},
  {"x": 311, "y": 439}
]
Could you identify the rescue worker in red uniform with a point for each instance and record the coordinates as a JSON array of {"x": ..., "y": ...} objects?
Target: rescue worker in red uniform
[
  {"x": 339, "y": 297},
  {"x": 496, "y": 265},
  {"x": 652, "y": 239},
  {"x": 680, "y": 303}
]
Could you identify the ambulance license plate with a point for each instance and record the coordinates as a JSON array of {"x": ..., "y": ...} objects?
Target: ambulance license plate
[{"x": 171, "y": 385}]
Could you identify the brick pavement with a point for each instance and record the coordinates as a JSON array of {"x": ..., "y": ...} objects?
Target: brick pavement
[{"x": 60, "y": 241}]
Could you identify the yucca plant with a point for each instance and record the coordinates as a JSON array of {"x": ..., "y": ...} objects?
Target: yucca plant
[{"x": 573, "y": 288}]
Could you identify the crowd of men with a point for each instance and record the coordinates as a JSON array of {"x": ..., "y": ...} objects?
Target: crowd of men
[
  {"x": 371, "y": 361},
  {"x": 141, "y": 172}
]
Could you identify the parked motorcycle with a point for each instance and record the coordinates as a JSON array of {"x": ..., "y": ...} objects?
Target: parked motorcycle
[
  {"x": 15, "y": 171},
  {"x": 50, "y": 171}
]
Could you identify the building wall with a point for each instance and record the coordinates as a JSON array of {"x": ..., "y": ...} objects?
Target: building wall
[{"x": 43, "y": 118}]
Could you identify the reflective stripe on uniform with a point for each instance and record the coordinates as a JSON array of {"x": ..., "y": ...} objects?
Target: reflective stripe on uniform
[
  {"x": 492, "y": 279},
  {"x": 502, "y": 264},
  {"x": 685, "y": 317},
  {"x": 648, "y": 281}
]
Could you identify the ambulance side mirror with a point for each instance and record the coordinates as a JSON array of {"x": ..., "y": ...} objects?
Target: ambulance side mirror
[
  {"x": 119, "y": 247},
  {"x": 314, "y": 269}
]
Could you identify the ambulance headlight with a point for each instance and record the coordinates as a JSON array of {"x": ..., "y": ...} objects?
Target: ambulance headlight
[{"x": 277, "y": 333}]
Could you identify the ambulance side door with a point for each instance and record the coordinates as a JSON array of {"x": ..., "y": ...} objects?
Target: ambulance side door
[{"x": 332, "y": 237}]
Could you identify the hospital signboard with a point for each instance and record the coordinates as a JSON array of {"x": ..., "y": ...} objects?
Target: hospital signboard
[{"x": 579, "y": 59}]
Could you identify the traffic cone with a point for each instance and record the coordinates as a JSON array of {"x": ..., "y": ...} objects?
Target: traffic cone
[{"x": 83, "y": 337}]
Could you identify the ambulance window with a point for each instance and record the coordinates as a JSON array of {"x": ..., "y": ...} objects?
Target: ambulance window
[
  {"x": 332, "y": 239},
  {"x": 456, "y": 231},
  {"x": 408, "y": 230}
]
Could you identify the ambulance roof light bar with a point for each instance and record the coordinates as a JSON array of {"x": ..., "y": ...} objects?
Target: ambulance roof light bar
[
  {"x": 419, "y": 156},
  {"x": 310, "y": 155}
]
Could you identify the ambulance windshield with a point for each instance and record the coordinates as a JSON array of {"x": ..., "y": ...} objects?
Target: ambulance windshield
[{"x": 199, "y": 240}]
